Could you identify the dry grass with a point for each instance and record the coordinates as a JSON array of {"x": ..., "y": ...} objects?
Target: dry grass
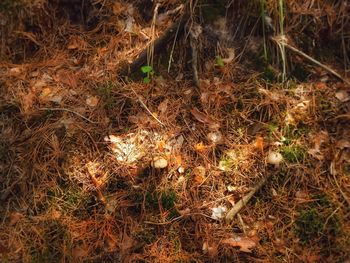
[{"x": 66, "y": 197}]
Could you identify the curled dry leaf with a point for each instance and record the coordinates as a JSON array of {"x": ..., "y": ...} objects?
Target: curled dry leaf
[
  {"x": 204, "y": 118},
  {"x": 245, "y": 244},
  {"x": 318, "y": 140},
  {"x": 231, "y": 56},
  {"x": 342, "y": 95}
]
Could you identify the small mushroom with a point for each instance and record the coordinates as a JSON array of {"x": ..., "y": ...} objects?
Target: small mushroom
[
  {"x": 274, "y": 158},
  {"x": 159, "y": 163}
]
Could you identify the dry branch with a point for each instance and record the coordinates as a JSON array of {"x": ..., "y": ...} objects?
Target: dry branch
[
  {"x": 282, "y": 40},
  {"x": 241, "y": 203}
]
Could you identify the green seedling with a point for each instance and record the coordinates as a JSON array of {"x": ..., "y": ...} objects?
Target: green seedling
[
  {"x": 148, "y": 70},
  {"x": 219, "y": 62}
]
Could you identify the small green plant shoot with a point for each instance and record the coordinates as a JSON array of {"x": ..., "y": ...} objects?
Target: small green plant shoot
[
  {"x": 219, "y": 62},
  {"x": 149, "y": 71}
]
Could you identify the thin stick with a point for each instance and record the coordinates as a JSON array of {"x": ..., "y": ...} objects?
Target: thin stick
[
  {"x": 68, "y": 110},
  {"x": 282, "y": 40},
  {"x": 144, "y": 105},
  {"x": 173, "y": 48},
  {"x": 150, "y": 48},
  {"x": 194, "y": 60},
  {"x": 241, "y": 203}
]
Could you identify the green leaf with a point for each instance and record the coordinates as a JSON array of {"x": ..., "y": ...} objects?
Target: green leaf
[
  {"x": 146, "y": 80},
  {"x": 146, "y": 69},
  {"x": 219, "y": 62}
]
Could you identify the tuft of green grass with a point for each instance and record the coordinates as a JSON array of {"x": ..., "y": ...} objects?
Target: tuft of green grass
[
  {"x": 294, "y": 153},
  {"x": 168, "y": 199},
  {"x": 70, "y": 199},
  {"x": 309, "y": 225},
  {"x": 105, "y": 92},
  {"x": 318, "y": 223}
]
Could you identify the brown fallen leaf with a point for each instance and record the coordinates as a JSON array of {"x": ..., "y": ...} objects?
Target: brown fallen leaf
[
  {"x": 318, "y": 140},
  {"x": 15, "y": 217},
  {"x": 66, "y": 77},
  {"x": 204, "y": 118},
  {"x": 259, "y": 143},
  {"x": 245, "y": 244},
  {"x": 163, "y": 106},
  {"x": 27, "y": 101},
  {"x": 80, "y": 252}
]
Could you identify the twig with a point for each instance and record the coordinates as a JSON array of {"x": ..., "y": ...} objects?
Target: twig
[
  {"x": 241, "y": 203},
  {"x": 194, "y": 60},
  {"x": 150, "y": 48},
  {"x": 282, "y": 40},
  {"x": 173, "y": 48},
  {"x": 163, "y": 223},
  {"x": 68, "y": 110},
  {"x": 144, "y": 105}
]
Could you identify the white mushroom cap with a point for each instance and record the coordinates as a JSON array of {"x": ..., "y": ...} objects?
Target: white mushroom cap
[{"x": 274, "y": 158}]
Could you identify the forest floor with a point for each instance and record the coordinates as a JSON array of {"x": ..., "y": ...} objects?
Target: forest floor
[{"x": 99, "y": 168}]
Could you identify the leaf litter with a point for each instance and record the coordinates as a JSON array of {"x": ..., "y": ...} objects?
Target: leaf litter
[{"x": 90, "y": 175}]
